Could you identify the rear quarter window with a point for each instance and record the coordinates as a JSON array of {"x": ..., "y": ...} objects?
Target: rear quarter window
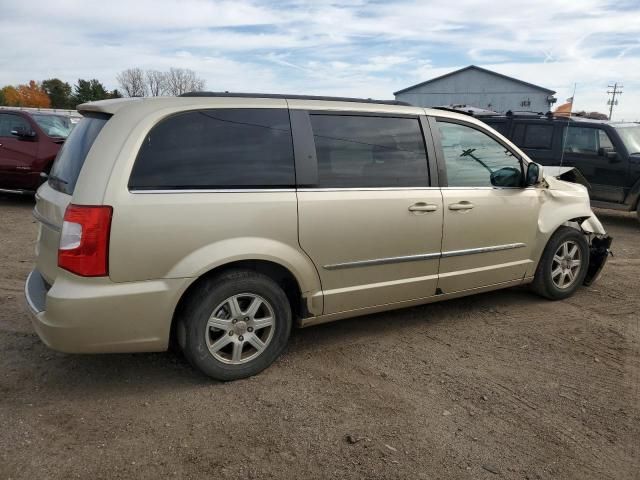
[
  {"x": 538, "y": 136},
  {"x": 70, "y": 159},
  {"x": 217, "y": 148},
  {"x": 499, "y": 125}
]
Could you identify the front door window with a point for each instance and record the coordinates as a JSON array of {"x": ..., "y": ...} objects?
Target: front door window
[{"x": 474, "y": 159}]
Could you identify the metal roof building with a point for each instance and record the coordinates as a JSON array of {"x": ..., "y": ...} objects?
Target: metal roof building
[{"x": 479, "y": 87}]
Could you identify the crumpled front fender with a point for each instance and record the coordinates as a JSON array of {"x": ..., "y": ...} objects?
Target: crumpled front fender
[{"x": 593, "y": 225}]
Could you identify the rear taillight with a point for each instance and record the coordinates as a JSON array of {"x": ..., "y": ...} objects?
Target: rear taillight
[{"x": 84, "y": 240}]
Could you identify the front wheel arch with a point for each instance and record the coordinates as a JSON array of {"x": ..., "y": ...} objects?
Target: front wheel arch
[{"x": 543, "y": 283}]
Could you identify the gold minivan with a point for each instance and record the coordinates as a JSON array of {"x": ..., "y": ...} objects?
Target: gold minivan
[{"x": 216, "y": 222}]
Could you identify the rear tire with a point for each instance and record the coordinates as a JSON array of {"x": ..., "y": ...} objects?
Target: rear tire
[
  {"x": 235, "y": 325},
  {"x": 563, "y": 265}
]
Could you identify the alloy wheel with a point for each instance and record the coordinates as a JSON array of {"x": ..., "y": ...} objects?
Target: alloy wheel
[
  {"x": 566, "y": 264},
  {"x": 240, "y": 328}
]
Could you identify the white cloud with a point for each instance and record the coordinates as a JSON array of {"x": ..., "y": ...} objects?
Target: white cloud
[{"x": 356, "y": 48}]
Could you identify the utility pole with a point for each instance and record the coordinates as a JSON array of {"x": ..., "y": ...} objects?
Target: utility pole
[{"x": 617, "y": 90}]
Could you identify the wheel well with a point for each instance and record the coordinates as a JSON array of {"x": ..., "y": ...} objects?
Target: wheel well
[
  {"x": 573, "y": 223},
  {"x": 283, "y": 277}
]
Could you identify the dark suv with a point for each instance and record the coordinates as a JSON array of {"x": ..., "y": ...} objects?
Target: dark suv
[
  {"x": 29, "y": 142},
  {"x": 606, "y": 153}
]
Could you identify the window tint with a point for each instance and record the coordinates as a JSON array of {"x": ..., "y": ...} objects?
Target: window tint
[
  {"x": 538, "y": 136},
  {"x": 361, "y": 151},
  {"x": 474, "y": 159},
  {"x": 9, "y": 122},
  {"x": 67, "y": 165},
  {"x": 500, "y": 125},
  {"x": 518, "y": 133},
  {"x": 586, "y": 140},
  {"x": 604, "y": 140},
  {"x": 221, "y": 148}
]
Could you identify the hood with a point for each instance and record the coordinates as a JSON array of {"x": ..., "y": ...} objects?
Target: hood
[{"x": 567, "y": 174}]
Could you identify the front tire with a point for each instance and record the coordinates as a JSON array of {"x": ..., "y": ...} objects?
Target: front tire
[
  {"x": 235, "y": 325},
  {"x": 563, "y": 265}
]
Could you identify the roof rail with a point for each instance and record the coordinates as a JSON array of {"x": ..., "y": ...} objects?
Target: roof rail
[
  {"x": 293, "y": 97},
  {"x": 455, "y": 110},
  {"x": 528, "y": 114},
  {"x": 58, "y": 111}
]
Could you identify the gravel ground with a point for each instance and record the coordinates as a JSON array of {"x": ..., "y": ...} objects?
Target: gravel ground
[{"x": 498, "y": 385}]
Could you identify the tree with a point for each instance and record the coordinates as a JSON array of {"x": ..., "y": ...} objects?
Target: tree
[
  {"x": 59, "y": 92},
  {"x": 156, "y": 82},
  {"x": 89, "y": 91},
  {"x": 32, "y": 95},
  {"x": 115, "y": 94},
  {"x": 10, "y": 96},
  {"x": 182, "y": 80},
  {"x": 132, "y": 82},
  {"x": 26, "y": 95}
]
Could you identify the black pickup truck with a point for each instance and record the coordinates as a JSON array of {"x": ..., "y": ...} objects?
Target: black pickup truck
[{"x": 606, "y": 153}]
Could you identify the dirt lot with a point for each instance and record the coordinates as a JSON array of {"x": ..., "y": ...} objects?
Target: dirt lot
[{"x": 500, "y": 385}]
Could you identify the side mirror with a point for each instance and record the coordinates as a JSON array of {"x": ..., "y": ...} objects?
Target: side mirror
[
  {"x": 23, "y": 132},
  {"x": 507, "y": 177},
  {"x": 534, "y": 174},
  {"x": 608, "y": 154}
]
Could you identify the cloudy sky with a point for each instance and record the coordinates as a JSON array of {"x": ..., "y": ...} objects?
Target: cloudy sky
[{"x": 364, "y": 48}]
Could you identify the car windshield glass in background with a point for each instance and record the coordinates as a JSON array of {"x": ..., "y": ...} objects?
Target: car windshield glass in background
[
  {"x": 54, "y": 125},
  {"x": 363, "y": 151},
  {"x": 217, "y": 148},
  {"x": 631, "y": 138},
  {"x": 71, "y": 157}
]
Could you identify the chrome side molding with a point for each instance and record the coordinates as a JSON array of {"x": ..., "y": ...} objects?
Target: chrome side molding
[
  {"x": 424, "y": 256},
  {"x": 473, "y": 251},
  {"x": 382, "y": 261}
]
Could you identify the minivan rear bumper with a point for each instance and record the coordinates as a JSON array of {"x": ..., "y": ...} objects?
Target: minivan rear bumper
[{"x": 95, "y": 315}]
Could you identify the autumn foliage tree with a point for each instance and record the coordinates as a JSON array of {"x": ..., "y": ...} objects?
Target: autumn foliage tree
[
  {"x": 28, "y": 95},
  {"x": 10, "y": 96},
  {"x": 32, "y": 95}
]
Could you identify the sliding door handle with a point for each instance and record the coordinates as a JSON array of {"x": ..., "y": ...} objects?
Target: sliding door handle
[
  {"x": 461, "y": 206},
  {"x": 423, "y": 207}
]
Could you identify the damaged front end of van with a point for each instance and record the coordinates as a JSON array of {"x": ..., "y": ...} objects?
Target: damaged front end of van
[{"x": 567, "y": 188}]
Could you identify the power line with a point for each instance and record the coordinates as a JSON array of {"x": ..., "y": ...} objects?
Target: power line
[{"x": 617, "y": 90}]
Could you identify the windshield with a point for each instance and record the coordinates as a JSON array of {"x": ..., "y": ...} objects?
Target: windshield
[
  {"x": 67, "y": 165},
  {"x": 54, "y": 125},
  {"x": 631, "y": 138}
]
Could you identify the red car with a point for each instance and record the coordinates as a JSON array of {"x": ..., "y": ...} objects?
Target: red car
[{"x": 29, "y": 142}]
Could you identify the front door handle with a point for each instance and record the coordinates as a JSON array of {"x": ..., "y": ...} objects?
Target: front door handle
[
  {"x": 423, "y": 207},
  {"x": 461, "y": 206}
]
